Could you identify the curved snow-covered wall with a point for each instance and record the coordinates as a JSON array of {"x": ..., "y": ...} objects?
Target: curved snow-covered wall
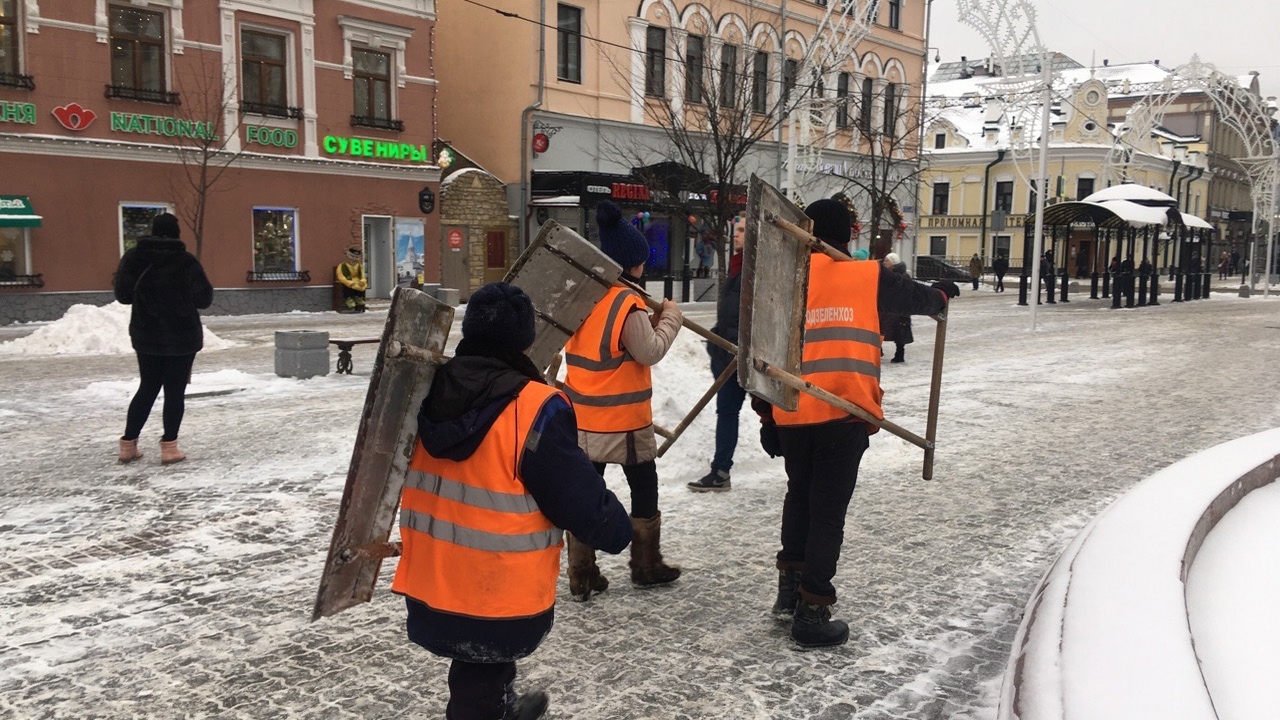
[{"x": 1105, "y": 636}]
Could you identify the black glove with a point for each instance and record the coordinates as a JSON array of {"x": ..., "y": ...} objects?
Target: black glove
[
  {"x": 769, "y": 439},
  {"x": 951, "y": 289}
]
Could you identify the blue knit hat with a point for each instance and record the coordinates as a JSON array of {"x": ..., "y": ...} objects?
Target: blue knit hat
[
  {"x": 500, "y": 314},
  {"x": 619, "y": 239}
]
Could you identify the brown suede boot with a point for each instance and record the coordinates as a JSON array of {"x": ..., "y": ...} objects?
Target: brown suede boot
[
  {"x": 129, "y": 451},
  {"x": 647, "y": 567},
  {"x": 169, "y": 452},
  {"x": 584, "y": 574}
]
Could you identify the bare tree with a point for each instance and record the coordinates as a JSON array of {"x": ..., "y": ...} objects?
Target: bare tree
[{"x": 200, "y": 139}]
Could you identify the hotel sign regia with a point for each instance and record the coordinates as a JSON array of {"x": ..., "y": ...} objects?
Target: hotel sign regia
[{"x": 967, "y": 221}]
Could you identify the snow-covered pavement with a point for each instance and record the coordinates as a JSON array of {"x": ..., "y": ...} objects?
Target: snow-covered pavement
[{"x": 185, "y": 591}]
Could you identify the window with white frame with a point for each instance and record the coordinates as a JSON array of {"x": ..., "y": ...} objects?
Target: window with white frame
[
  {"x": 138, "y": 54},
  {"x": 655, "y": 62},
  {"x": 371, "y": 84},
  {"x": 868, "y": 96},
  {"x": 10, "y": 47},
  {"x": 790, "y": 68},
  {"x": 728, "y": 75},
  {"x": 135, "y": 221},
  {"x": 895, "y": 14},
  {"x": 15, "y": 254},
  {"x": 695, "y": 61},
  {"x": 264, "y": 68},
  {"x": 891, "y": 110},
  {"x": 568, "y": 43},
  {"x": 275, "y": 239},
  {"x": 374, "y": 60},
  {"x": 941, "y": 198},
  {"x": 842, "y": 100},
  {"x": 760, "y": 82}
]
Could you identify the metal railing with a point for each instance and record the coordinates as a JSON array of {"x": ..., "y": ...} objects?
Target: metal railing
[
  {"x": 25, "y": 82},
  {"x": 123, "y": 92},
  {"x": 379, "y": 123},
  {"x": 278, "y": 276},
  {"x": 36, "y": 280},
  {"x": 280, "y": 111}
]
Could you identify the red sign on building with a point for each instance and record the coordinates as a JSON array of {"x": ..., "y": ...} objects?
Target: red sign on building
[
  {"x": 629, "y": 191},
  {"x": 455, "y": 239}
]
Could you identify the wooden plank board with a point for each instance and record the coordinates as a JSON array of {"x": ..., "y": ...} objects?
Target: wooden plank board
[
  {"x": 775, "y": 283},
  {"x": 565, "y": 276},
  {"x": 383, "y": 448}
]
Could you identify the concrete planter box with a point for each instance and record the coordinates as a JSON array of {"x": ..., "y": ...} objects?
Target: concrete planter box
[{"x": 302, "y": 353}]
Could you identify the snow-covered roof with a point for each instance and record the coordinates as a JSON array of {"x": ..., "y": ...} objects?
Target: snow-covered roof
[
  {"x": 1136, "y": 215},
  {"x": 1192, "y": 221},
  {"x": 557, "y": 201},
  {"x": 1132, "y": 192}
]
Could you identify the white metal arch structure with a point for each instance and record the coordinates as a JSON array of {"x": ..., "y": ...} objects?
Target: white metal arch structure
[{"x": 1238, "y": 109}]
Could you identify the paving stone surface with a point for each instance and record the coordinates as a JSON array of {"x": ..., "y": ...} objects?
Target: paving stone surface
[{"x": 143, "y": 591}]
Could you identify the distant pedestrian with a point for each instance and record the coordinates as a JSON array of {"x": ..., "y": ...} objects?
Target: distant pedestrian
[
  {"x": 1235, "y": 261},
  {"x": 896, "y": 328},
  {"x": 1082, "y": 265},
  {"x": 706, "y": 252},
  {"x": 1224, "y": 266},
  {"x": 1000, "y": 266},
  {"x": 167, "y": 288},
  {"x": 975, "y": 269}
]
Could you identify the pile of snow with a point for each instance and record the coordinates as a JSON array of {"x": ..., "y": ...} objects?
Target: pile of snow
[{"x": 89, "y": 330}]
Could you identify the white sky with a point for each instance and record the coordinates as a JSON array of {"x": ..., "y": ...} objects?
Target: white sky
[{"x": 1234, "y": 35}]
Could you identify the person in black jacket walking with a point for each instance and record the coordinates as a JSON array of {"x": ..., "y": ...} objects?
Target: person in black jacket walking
[
  {"x": 730, "y": 396},
  {"x": 1000, "y": 266},
  {"x": 167, "y": 288},
  {"x": 896, "y": 327}
]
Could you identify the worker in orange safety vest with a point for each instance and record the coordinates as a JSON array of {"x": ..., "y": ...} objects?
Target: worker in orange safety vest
[
  {"x": 494, "y": 477},
  {"x": 822, "y": 445}
]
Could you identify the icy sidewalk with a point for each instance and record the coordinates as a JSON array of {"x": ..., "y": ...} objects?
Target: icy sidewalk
[{"x": 184, "y": 591}]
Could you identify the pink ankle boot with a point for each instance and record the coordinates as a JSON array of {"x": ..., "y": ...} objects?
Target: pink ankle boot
[
  {"x": 129, "y": 451},
  {"x": 169, "y": 452}
]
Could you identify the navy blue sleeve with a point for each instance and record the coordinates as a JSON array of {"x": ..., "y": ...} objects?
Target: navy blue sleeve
[
  {"x": 565, "y": 485},
  {"x": 901, "y": 295}
]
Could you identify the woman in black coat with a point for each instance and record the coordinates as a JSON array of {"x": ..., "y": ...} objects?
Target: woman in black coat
[
  {"x": 167, "y": 288},
  {"x": 893, "y": 327}
]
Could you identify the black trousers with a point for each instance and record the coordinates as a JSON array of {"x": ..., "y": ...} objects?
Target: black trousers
[
  {"x": 822, "y": 469},
  {"x": 999, "y": 283},
  {"x": 170, "y": 373},
  {"x": 480, "y": 691},
  {"x": 643, "y": 481}
]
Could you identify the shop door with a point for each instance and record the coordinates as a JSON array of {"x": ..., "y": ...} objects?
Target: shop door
[
  {"x": 379, "y": 256},
  {"x": 495, "y": 254},
  {"x": 453, "y": 261}
]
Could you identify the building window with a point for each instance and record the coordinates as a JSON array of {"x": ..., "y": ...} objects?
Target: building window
[
  {"x": 941, "y": 198},
  {"x": 895, "y": 14},
  {"x": 728, "y": 76},
  {"x": 137, "y": 51},
  {"x": 694, "y": 61},
  {"x": 760, "y": 82},
  {"x": 569, "y": 43},
  {"x": 371, "y": 81},
  {"x": 842, "y": 100},
  {"x": 790, "y": 68},
  {"x": 1084, "y": 188},
  {"x": 9, "y": 49},
  {"x": 655, "y": 62},
  {"x": 1000, "y": 246},
  {"x": 275, "y": 240},
  {"x": 1004, "y": 196},
  {"x": 873, "y": 11},
  {"x": 263, "y": 64},
  {"x": 938, "y": 245},
  {"x": 940, "y": 141},
  {"x": 868, "y": 96},
  {"x": 891, "y": 110},
  {"x": 135, "y": 222},
  {"x": 1031, "y": 196},
  {"x": 14, "y": 253}
]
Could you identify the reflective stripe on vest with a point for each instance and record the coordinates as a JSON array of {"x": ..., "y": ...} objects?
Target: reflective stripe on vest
[
  {"x": 611, "y": 392},
  {"x": 841, "y": 340},
  {"x": 475, "y": 542}
]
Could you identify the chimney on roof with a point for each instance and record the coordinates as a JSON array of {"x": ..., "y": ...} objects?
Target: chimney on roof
[
  {"x": 1157, "y": 61},
  {"x": 1105, "y": 62},
  {"x": 964, "y": 59}
]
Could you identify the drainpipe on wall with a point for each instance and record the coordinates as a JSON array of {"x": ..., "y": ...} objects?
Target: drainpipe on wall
[
  {"x": 782, "y": 107},
  {"x": 924, "y": 96},
  {"x": 1173, "y": 174},
  {"x": 525, "y": 116},
  {"x": 986, "y": 190}
]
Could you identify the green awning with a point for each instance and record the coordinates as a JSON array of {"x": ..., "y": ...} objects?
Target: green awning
[{"x": 15, "y": 211}]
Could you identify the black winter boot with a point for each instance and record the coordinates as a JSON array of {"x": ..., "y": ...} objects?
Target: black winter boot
[
  {"x": 813, "y": 626},
  {"x": 898, "y": 355},
  {"x": 529, "y": 706},
  {"x": 788, "y": 591}
]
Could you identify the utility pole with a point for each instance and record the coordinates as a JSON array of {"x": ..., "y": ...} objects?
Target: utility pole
[{"x": 1041, "y": 190}]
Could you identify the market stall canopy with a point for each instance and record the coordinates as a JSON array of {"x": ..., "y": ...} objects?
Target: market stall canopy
[
  {"x": 15, "y": 211},
  {"x": 1137, "y": 215},
  {"x": 1113, "y": 214},
  {"x": 1133, "y": 193},
  {"x": 1195, "y": 223}
]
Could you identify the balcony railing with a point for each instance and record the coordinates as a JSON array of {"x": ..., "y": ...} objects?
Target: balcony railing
[
  {"x": 132, "y": 93},
  {"x": 380, "y": 123},
  {"x": 36, "y": 280},
  {"x": 25, "y": 82},
  {"x": 280, "y": 111},
  {"x": 278, "y": 276}
]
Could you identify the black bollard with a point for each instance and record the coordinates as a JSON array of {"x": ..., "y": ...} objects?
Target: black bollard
[
  {"x": 1115, "y": 294},
  {"x": 1142, "y": 289},
  {"x": 1093, "y": 286},
  {"x": 1022, "y": 290},
  {"x": 1064, "y": 287},
  {"x": 1128, "y": 290},
  {"x": 668, "y": 285},
  {"x": 1207, "y": 278},
  {"x": 1177, "y": 287},
  {"x": 1155, "y": 289},
  {"x": 1048, "y": 289}
]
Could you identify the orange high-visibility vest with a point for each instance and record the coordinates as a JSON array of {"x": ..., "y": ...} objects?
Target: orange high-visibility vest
[
  {"x": 610, "y": 391},
  {"x": 475, "y": 542},
  {"x": 841, "y": 340}
]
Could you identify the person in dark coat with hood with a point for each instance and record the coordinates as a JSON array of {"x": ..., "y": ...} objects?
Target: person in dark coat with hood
[
  {"x": 894, "y": 327},
  {"x": 496, "y": 477},
  {"x": 167, "y": 288}
]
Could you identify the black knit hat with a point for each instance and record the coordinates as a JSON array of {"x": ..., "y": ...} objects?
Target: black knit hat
[
  {"x": 166, "y": 226},
  {"x": 831, "y": 221},
  {"x": 619, "y": 239},
  {"x": 499, "y": 314}
]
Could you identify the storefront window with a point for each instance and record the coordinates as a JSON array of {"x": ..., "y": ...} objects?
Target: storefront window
[
  {"x": 135, "y": 222},
  {"x": 275, "y": 240},
  {"x": 13, "y": 253}
]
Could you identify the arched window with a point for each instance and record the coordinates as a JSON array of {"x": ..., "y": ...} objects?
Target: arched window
[
  {"x": 868, "y": 96},
  {"x": 890, "y": 109}
]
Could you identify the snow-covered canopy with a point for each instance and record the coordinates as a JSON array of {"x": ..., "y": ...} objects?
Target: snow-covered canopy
[{"x": 1133, "y": 193}]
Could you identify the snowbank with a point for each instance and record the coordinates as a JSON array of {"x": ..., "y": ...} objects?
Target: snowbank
[{"x": 89, "y": 330}]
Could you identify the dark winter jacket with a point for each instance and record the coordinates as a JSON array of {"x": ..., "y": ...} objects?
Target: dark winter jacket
[
  {"x": 467, "y": 395},
  {"x": 1000, "y": 266},
  {"x": 896, "y": 327},
  {"x": 727, "y": 309},
  {"x": 167, "y": 288}
]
